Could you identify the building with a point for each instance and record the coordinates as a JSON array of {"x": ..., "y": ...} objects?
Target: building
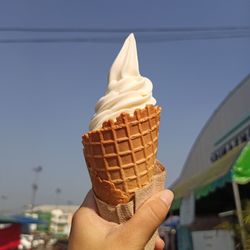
[
  {"x": 60, "y": 222},
  {"x": 11, "y": 231},
  {"x": 219, "y": 160},
  {"x": 58, "y": 217}
]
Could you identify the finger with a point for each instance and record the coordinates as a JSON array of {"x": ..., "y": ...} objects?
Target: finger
[
  {"x": 89, "y": 211},
  {"x": 149, "y": 217},
  {"x": 88, "y": 207},
  {"x": 159, "y": 243},
  {"x": 89, "y": 201}
]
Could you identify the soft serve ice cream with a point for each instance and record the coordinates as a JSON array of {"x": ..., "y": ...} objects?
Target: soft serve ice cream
[
  {"x": 120, "y": 149},
  {"x": 127, "y": 90}
]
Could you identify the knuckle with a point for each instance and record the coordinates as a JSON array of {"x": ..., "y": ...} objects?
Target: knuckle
[
  {"x": 77, "y": 217},
  {"x": 157, "y": 211}
]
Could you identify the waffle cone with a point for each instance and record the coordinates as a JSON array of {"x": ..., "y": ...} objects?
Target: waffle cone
[{"x": 121, "y": 155}]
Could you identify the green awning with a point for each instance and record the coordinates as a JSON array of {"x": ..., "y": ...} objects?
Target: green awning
[
  {"x": 175, "y": 204},
  {"x": 241, "y": 168},
  {"x": 206, "y": 189},
  {"x": 217, "y": 175},
  {"x": 216, "y": 171}
]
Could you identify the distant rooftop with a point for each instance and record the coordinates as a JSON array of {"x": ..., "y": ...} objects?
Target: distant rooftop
[{"x": 50, "y": 207}]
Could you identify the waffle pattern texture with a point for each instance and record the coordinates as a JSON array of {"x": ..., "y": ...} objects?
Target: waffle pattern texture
[{"x": 121, "y": 155}]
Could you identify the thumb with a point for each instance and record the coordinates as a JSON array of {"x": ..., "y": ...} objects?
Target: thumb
[{"x": 149, "y": 217}]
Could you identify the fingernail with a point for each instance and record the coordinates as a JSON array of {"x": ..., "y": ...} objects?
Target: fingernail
[{"x": 167, "y": 197}]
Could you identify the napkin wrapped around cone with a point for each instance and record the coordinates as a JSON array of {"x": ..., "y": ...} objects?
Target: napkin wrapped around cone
[{"x": 121, "y": 160}]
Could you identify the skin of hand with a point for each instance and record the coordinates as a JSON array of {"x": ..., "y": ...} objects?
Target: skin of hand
[{"x": 90, "y": 232}]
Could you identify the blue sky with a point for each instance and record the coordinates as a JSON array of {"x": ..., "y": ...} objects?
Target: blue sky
[{"x": 48, "y": 91}]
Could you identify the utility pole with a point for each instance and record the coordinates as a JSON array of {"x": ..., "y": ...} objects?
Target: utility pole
[
  {"x": 239, "y": 213},
  {"x": 34, "y": 186},
  {"x": 4, "y": 198},
  {"x": 58, "y": 192}
]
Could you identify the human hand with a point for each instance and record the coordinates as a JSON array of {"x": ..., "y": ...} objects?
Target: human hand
[{"x": 91, "y": 232}]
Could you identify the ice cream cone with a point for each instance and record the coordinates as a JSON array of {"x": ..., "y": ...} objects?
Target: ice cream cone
[{"x": 121, "y": 155}]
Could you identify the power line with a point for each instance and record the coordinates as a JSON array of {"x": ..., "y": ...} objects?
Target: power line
[
  {"x": 123, "y": 30},
  {"x": 117, "y": 40},
  {"x": 180, "y": 34}
]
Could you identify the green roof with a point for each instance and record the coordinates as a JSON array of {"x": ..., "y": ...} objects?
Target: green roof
[
  {"x": 234, "y": 165},
  {"x": 241, "y": 168}
]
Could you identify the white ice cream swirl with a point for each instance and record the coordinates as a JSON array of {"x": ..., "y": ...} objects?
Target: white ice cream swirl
[{"x": 127, "y": 90}]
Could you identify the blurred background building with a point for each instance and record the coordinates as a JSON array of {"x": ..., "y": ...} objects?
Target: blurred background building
[
  {"x": 42, "y": 227},
  {"x": 213, "y": 190},
  {"x": 58, "y": 218}
]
